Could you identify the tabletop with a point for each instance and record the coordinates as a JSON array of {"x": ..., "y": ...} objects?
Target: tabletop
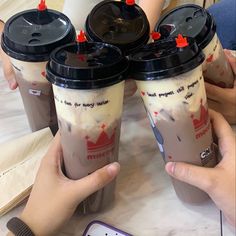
[{"x": 145, "y": 203}]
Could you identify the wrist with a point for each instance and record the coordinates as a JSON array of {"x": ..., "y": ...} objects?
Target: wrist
[{"x": 18, "y": 227}]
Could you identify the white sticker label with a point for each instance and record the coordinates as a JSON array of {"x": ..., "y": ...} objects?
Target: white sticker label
[{"x": 35, "y": 92}]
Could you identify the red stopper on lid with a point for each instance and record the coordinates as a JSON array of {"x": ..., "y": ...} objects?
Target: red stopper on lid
[
  {"x": 42, "y": 6},
  {"x": 81, "y": 38},
  {"x": 155, "y": 35},
  {"x": 130, "y": 2},
  {"x": 181, "y": 42}
]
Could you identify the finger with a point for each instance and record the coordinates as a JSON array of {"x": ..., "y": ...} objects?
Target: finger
[
  {"x": 217, "y": 93},
  {"x": 224, "y": 133},
  {"x": 231, "y": 56},
  {"x": 54, "y": 153},
  {"x": 7, "y": 67},
  {"x": 8, "y": 71},
  {"x": 200, "y": 177},
  {"x": 86, "y": 186},
  {"x": 213, "y": 105}
]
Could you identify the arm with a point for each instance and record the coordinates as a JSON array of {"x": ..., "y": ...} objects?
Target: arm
[
  {"x": 54, "y": 197},
  {"x": 153, "y": 10},
  {"x": 223, "y": 100},
  {"x": 218, "y": 182},
  {"x": 7, "y": 67}
]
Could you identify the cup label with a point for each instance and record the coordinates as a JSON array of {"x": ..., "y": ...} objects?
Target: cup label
[{"x": 35, "y": 92}]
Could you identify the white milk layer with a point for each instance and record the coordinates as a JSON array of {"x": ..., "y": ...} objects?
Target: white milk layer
[
  {"x": 172, "y": 96},
  {"x": 88, "y": 108},
  {"x": 30, "y": 71}
]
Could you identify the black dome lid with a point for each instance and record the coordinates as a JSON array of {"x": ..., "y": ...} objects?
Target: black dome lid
[
  {"x": 86, "y": 65},
  {"x": 116, "y": 22},
  {"x": 190, "y": 20},
  {"x": 31, "y": 35},
  {"x": 165, "y": 58}
]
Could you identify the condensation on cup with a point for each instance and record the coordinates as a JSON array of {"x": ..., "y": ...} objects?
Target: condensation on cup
[{"x": 169, "y": 77}]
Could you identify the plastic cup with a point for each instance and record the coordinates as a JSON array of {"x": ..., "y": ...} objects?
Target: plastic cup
[
  {"x": 170, "y": 82},
  {"x": 194, "y": 21},
  {"x": 88, "y": 85}
]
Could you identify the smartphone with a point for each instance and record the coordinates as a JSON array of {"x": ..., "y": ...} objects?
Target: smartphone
[{"x": 99, "y": 228}]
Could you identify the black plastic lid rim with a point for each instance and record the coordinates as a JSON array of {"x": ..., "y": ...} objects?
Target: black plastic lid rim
[
  {"x": 168, "y": 65},
  {"x": 54, "y": 69},
  {"x": 211, "y": 31},
  {"x": 154, "y": 76},
  {"x": 68, "y": 37},
  {"x": 84, "y": 85},
  {"x": 33, "y": 57}
]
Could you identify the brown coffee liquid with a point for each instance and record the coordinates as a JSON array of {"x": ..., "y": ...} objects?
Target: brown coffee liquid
[
  {"x": 39, "y": 104},
  {"x": 187, "y": 139},
  {"x": 85, "y": 151}
]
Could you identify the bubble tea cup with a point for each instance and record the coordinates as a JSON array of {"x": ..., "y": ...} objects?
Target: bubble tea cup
[
  {"x": 169, "y": 77},
  {"x": 28, "y": 38},
  {"x": 194, "y": 21},
  {"x": 88, "y": 85}
]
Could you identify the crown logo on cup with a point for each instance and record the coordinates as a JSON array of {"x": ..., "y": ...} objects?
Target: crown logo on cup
[
  {"x": 199, "y": 123},
  {"x": 102, "y": 142}
]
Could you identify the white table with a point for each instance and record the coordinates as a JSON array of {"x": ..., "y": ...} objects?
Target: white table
[{"x": 146, "y": 204}]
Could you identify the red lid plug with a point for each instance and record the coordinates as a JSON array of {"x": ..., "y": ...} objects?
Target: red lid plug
[
  {"x": 81, "y": 38},
  {"x": 155, "y": 35},
  {"x": 130, "y": 2},
  {"x": 181, "y": 42},
  {"x": 42, "y": 6}
]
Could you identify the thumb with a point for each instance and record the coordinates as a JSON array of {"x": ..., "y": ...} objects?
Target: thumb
[
  {"x": 95, "y": 181},
  {"x": 200, "y": 177}
]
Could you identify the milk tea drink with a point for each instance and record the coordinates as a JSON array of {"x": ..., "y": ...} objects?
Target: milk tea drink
[
  {"x": 88, "y": 85},
  {"x": 169, "y": 77},
  {"x": 194, "y": 21},
  {"x": 28, "y": 38}
]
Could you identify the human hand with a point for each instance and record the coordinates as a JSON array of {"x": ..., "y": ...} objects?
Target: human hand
[
  {"x": 223, "y": 100},
  {"x": 7, "y": 67},
  {"x": 218, "y": 182},
  {"x": 152, "y": 10},
  {"x": 130, "y": 88},
  {"x": 54, "y": 197}
]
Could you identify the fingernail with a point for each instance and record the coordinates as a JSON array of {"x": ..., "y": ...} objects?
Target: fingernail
[
  {"x": 230, "y": 53},
  {"x": 170, "y": 168},
  {"x": 12, "y": 83},
  {"x": 113, "y": 169}
]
